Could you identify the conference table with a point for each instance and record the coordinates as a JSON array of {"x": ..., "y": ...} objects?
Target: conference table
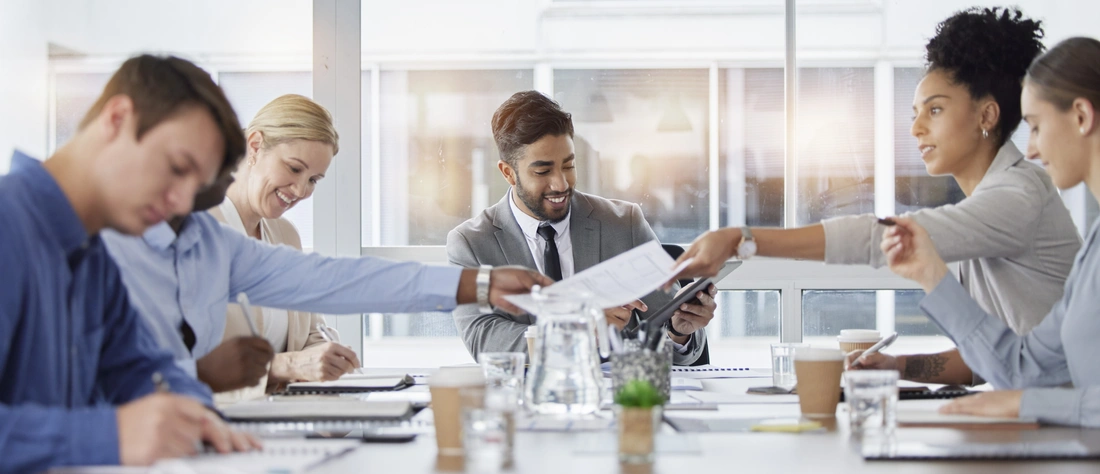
[{"x": 831, "y": 450}]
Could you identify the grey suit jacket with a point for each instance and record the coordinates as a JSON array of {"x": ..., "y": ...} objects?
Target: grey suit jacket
[{"x": 599, "y": 228}]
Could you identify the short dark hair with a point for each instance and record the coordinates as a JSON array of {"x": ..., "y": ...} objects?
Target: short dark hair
[
  {"x": 525, "y": 118},
  {"x": 160, "y": 86},
  {"x": 1069, "y": 71},
  {"x": 988, "y": 50}
]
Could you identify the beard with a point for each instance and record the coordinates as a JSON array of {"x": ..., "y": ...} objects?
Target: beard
[{"x": 537, "y": 204}]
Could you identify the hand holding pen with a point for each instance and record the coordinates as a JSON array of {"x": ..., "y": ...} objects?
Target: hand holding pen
[{"x": 331, "y": 336}]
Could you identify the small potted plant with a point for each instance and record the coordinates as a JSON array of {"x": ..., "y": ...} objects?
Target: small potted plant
[{"x": 638, "y": 409}]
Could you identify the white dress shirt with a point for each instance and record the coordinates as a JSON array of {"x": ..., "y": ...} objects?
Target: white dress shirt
[{"x": 537, "y": 244}]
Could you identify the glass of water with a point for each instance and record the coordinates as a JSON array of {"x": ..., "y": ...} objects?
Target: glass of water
[
  {"x": 783, "y": 364},
  {"x": 872, "y": 397},
  {"x": 503, "y": 369},
  {"x": 484, "y": 440}
]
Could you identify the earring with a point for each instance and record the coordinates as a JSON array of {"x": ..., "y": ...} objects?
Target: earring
[
  {"x": 985, "y": 133},
  {"x": 1082, "y": 130}
]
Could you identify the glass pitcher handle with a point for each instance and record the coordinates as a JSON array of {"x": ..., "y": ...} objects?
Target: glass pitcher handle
[{"x": 602, "y": 342}]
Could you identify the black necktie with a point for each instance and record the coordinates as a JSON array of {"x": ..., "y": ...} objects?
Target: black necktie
[{"x": 551, "y": 265}]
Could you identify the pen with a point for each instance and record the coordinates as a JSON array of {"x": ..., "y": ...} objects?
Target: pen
[
  {"x": 880, "y": 345},
  {"x": 331, "y": 337},
  {"x": 242, "y": 299}
]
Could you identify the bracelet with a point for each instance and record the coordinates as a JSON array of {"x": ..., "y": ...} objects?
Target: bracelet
[
  {"x": 482, "y": 280},
  {"x": 673, "y": 331}
]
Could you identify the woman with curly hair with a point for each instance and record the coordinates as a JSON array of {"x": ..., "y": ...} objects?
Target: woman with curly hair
[
  {"x": 1050, "y": 374},
  {"x": 1012, "y": 235}
]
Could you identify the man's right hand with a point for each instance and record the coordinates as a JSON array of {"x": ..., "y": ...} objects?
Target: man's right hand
[
  {"x": 158, "y": 426},
  {"x": 620, "y": 316},
  {"x": 876, "y": 361},
  {"x": 237, "y": 363}
]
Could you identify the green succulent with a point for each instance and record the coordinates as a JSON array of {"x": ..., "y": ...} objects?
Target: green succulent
[{"x": 638, "y": 394}]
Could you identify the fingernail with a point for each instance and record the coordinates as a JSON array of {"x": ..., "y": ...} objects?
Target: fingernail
[{"x": 684, "y": 307}]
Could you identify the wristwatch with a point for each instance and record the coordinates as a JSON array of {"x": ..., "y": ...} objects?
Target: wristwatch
[
  {"x": 747, "y": 248},
  {"x": 482, "y": 280}
]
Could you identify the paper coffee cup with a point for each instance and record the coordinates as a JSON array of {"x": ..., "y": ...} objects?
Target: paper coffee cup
[
  {"x": 447, "y": 387},
  {"x": 857, "y": 339},
  {"x": 531, "y": 334},
  {"x": 818, "y": 372}
]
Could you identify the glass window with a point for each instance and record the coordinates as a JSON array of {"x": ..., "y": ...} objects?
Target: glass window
[
  {"x": 826, "y": 312},
  {"x": 74, "y": 94},
  {"x": 419, "y": 325},
  {"x": 438, "y": 156},
  {"x": 641, "y": 136},
  {"x": 836, "y": 142},
  {"x": 746, "y": 324},
  {"x": 249, "y": 92},
  {"x": 751, "y": 143}
]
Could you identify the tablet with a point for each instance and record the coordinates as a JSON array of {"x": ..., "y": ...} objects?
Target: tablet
[{"x": 662, "y": 315}]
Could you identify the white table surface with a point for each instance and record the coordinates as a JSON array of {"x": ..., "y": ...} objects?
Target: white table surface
[{"x": 822, "y": 452}]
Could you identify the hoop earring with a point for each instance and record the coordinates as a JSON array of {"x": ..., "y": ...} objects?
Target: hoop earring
[{"x": 985, "y": 133}]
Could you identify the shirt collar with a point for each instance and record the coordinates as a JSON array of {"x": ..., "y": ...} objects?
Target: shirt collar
[
  {"x": 530, "y": 225},
  {"x": 51, "y": 204},
  {"x": 161, "y": 236},
  {"x": 1006, "y": 158}
]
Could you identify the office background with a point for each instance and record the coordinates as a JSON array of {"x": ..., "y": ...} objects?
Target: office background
[{"x": 678, "y": 105}]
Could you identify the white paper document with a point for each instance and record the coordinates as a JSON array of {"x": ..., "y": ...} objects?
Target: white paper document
[
  {"x": 742, "y": 398},
  {"x": 624, "y": 278}
]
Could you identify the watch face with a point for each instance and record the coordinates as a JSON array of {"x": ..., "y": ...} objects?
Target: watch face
[{"x": 746, "y": 249}]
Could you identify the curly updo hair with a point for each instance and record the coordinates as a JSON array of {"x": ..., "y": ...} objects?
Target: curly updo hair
[{"x": 988, "y": 50}]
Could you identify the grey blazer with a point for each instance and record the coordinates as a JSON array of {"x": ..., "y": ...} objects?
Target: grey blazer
[{"x": 599, "y": 228}]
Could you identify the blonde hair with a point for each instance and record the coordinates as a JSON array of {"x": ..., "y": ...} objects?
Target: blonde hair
[{"x": 294, "y": 117}]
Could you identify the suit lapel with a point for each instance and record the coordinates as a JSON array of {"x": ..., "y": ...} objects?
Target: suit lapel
[
  {"x": 585, "y": 234},
  {"x": 509, "y": 236}
]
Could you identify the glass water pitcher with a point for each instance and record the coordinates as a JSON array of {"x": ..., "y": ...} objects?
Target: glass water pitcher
[{"x": 565, "y": 377}]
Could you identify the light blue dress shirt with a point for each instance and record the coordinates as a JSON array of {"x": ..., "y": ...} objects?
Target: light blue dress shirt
[
  {"x": 1062, "y": 350},
  {"x": 71, "y": 345},
  {"x": 192, "y": 277}
]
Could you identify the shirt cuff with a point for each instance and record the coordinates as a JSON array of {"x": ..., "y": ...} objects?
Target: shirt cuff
[
  {"x": 952, "y": 308},
  {"x": 439, "y": 286},
  {"x": 189, "y": 366},
  {"x": 1061, "y": 406},
  {"x": 93, "y": 436},
  {"x": 683, "y": 349}
]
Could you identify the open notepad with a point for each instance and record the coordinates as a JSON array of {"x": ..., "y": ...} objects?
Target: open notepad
[
  {"x": 353, "y": 383},
  {"x": 288, "y": 456},
  {"x": 1016, "y": 451},
  {"x": 319, "y": 410},
  {"x": 712, "y": 372}
]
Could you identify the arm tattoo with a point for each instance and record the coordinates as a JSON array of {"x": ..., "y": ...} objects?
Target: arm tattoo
[{"x": 924, "y": 368}]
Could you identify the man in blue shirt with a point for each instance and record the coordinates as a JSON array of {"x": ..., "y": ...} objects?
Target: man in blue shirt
[
  {"x": 182, "y": 273},
  {"x": 78, "y": 363}
]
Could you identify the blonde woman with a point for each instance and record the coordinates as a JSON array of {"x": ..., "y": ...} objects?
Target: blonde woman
[{"x": 290, "y": 144}]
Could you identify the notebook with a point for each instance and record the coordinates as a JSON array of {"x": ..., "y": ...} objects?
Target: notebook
[
  {"x": 1037, "y": 450},
  {"x": 712, "y": 372},
  {"x": 353, "y": 383},
  {"x": 319, "y": 410},
  {"x": 288, "y": 456}
]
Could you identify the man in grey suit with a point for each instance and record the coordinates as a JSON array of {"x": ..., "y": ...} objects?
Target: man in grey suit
[{"x": 543, "y": 223}]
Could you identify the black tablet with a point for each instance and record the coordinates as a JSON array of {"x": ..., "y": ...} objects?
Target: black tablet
[{"x": 661, "y": 316}]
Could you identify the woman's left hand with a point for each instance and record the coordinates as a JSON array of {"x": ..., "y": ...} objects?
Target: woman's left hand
[{"x": 998, "y": 403}]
